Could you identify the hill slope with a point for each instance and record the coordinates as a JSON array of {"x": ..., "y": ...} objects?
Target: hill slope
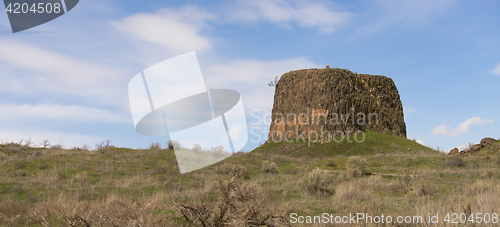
[{"x": 127, "y": 187}]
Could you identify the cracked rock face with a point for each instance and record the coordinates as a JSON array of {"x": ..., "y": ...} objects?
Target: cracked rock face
[{"x": 325, "y": 103}]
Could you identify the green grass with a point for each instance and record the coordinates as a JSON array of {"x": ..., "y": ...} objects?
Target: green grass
[{"x": 144, "y": 186}]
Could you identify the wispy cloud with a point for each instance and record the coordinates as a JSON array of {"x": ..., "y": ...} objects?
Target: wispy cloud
[
  {"x": 178, "y": 30},
  {"x": 306, "y": 14},
  {"x": 43, "y": 69},
  {"x": 496, "y": 70},
  {"x": 254, "y": 71},
  {"x": 250, "y": 78},
  {"x": 12, "y": 112},
  {"x": 462, "y": 128},
  {"x": 409, "y": 13}
]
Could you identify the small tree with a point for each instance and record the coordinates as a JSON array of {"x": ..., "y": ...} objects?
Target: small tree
[
  {"x": 273, "y": 83},
  {"x": 28, "y": 142},
  {"x": 173, "y": 144},
  {"x": 154, "y": 146},
  {"x": 45, "y": 144}
]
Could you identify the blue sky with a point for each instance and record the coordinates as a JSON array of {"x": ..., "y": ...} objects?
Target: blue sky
[{"x": 66, "y": 80}]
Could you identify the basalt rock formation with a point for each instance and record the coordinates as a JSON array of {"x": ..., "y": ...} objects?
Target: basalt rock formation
[{"x": 326, "y": 103}]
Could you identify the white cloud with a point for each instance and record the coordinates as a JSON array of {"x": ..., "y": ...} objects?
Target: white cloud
[
  {"x": 11, "y": 112},
  {"x": 413, "y": 13},
  {"x": 253, "y": 71},
  {"x": 43, "y": 69},
  {"x": 462, "y": 128},
  {"x": 235, "y": 134},
  {"x": 178, "y": 30},
  {"x": 305, "y": 13},
  {"x": 496, "y": 70},
  {"x": 250, "y": 78}
]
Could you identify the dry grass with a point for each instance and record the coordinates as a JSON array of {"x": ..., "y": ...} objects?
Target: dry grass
[
  {"x": 319, "y": 182},
  {"x": 124, "y": 187},
  {"x": 269, "y": 167},
  {"x": 357, "y": 165}
]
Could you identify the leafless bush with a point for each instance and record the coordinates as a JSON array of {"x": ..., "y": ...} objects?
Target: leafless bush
[
  {"x": 18, "y": 188},
  {"x": 3, "y": 157},
  {"x": 406, "y": 180},
  {"x": 424, "y": 187},
  {"x": 319, "y": 182},
  {"x": 236, "y": 205},
  {"x": 45, "y": 144},
  {"x": 13, "y": 149},
  {"x": 232, "y": 169},
  {"x": 330, "y": 162},
  {"x": 20, "y": 173},
  {"x": 456, "y": 162},
  {"x": 28, "y": 142},
  {"x": 479, "y": 187},
  {"x": 273, "y": 83},
  {"x": 58, "y": 146},
  {"x": 351, "y": 191},
  {"x": 357, "y": 165},
  {"x": 85, "y": 147},
  {"x": 219, "y": 151},
  {"x": 13, "y": 209},
  {"x": 269, "y": 167},
  {"x": 103, "y": 144},
  {"x": 196, "y": 148},
  {"x": 173, "y": 144},
  {"x": 61, "y": 176},
  {"x": 155, "y": 146}
]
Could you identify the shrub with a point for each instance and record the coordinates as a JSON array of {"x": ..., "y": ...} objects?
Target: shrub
[
  {"x": 3, "y": 157},
  {"x": 13, "y": 209},
  {"x": 232, "y": 170},
  {"x": 103, "y": 145},
  {"x": 173, "y": 144},
  {"x": 197, "y": 148},
  {"x": 269, "y": 167},
  {"x": 357, "y": 165},
  {"x": 479, "y": 187},
  {"x": 319, "y": 182},
  {"x": 57, "y": 147},
  {"x": 456, "y": 162},
  {"x": 351, "y": 191},
  {"x": 45, "y": 144},
  {"x": 330, "y": 163},
  {"x": 236, "y": 204},
  {"x": 61, "y": 176},
  {"x": 14, "y": 150},
  {"x": 154, "y": 146},
  {"x": 424, "y": 187},
  {"x": 406, "y": 180},
  {"x": 219, "y": 151},
  {"x": 20, "y": 173},
  {"x": 85, "y": 147}
]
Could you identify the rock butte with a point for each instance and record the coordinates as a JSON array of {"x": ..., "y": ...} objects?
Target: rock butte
[{"x": 335, "y": 100}]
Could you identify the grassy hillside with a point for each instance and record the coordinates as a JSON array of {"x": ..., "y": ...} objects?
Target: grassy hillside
[{"x": 127, "y": 187}]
